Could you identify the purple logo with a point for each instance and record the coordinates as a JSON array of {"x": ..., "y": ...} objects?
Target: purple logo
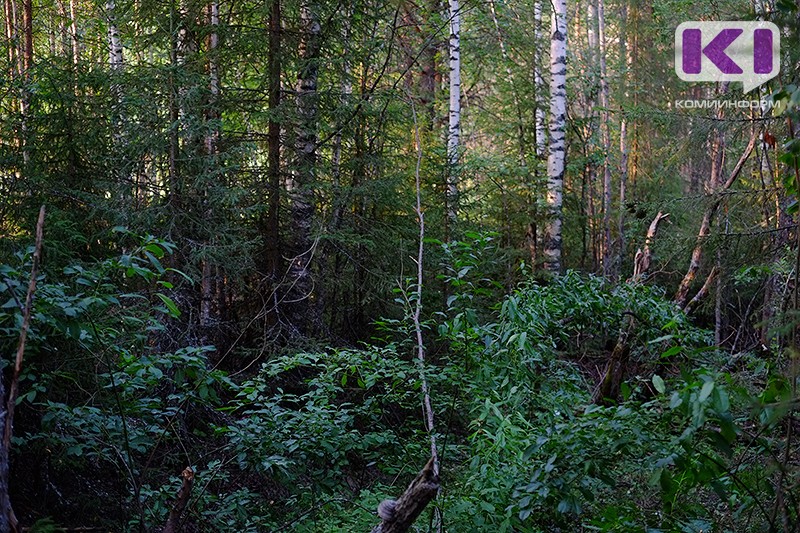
[{"x": 746, "y": 51}]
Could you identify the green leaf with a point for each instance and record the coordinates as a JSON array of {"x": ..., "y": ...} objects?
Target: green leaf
[
  {"x": 672, "y": 351},
  {"x": 658, "y": 383},
  {"x": 155, "y": 249},
  {"x": 172, "y": 308},
  {"x": 705, "y": 392}
]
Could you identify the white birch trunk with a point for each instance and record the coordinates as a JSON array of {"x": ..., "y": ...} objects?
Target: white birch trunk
[
  {"x": 541, "y": 134},
  {"x": 76, "y": 46},
  {"x": 454, "y": 129},
  {"x": 558, "y": 116}
]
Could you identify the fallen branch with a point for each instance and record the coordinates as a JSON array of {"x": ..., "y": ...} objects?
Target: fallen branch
[
  {"x": 398, "y": 516},
  {"x": 7, "y": 519},
  {"x": 173, "y": 524}
]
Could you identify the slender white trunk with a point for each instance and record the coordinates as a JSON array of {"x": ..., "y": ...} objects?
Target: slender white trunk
[
  {"x": 76, "y": 46},
  {"x": 541, "y": 134},
  {"x": 454, "y": 129},
  {"x": 558, "y": 116},
  {"x": 115, "y": 57}
]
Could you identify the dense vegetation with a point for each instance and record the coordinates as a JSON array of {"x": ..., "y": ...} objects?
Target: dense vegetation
[{"x": 300, "y": 246}]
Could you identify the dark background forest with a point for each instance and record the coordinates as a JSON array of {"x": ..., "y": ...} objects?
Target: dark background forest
[{"x": 292, "y": 249}]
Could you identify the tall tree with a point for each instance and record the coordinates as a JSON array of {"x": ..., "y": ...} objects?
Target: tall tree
[
  {"x": 606, "y": 139},
  {"x": 211, "y": 141},
  {"x": 303, "y": 177},
  {"x": 272, "y": 236},
  {"x": 541, "y": 117},
  {"x": 558, "y": 117},
  {"x": 454, "y": 116}
]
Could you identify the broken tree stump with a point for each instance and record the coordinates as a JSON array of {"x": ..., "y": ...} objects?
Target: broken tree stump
[
  {"x": 173, "y": 524},
  {"x": 398, "y": 516}
]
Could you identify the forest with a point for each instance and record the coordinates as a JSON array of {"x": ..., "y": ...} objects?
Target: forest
[{"x": 400, "y": 265}]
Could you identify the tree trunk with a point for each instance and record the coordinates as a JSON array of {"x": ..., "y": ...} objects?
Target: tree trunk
[
  {"x": 27, "y": 31},
  {"x": 558, "y": 116},
  {"x": 211, "y": 142},
  {"x": 272, "y": 236},
  {"x": 10, "y": 31},
  {"x": 540, "y": 117},
  {"x": 398, "y": 516},
  {"x": 73, "y": 28},
  {"x": 454, "y": 122},
  {"x": 173, "y": 524},
  {"x": 608, "y": 267},
  {"x": 302, "y": 181}
]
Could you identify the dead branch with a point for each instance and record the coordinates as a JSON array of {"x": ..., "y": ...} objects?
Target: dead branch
[
  {"x": 173, "y": 524},
  {"x": 398, "y": 516},
  {"x": 427, "y": 409},
  {"x": 705, "y": 226},
  {"x": 641, "y": 262},
  {"x": 8, "y": 520},
  {"x": 703, "y": 292},
  {"x": 608, "y": 389}
]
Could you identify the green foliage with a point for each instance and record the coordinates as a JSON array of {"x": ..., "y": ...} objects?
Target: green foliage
[{"x": 331, "y": 414}]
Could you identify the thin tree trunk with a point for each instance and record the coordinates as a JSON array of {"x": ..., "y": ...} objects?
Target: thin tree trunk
[
  {"x": 539, "y": 87},
  {"x": 558, "y": 115},
  {"x": 27, "y": 31},
  {"x": 595, "y": 206},
  {"x": 25, "y": 73},
  {"x": 73, "y": 28},
  {"x": 625, "y": 58},
  {"x": 9, "y": 520},
  {"x": 302, "y": 180},
  {"x": 454, "y": 126},
  {"x": 211, "y": 143},
  {"x": 274, "y": 142},
  {"x": 608, "y": 267},
  {"x": 10, "y": 30}
]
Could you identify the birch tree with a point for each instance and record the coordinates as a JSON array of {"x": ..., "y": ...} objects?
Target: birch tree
[
  {"x": 558, "y": 116},
  {"x": 541, "y": 134},
  {"x": 454, "y": 126}
]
